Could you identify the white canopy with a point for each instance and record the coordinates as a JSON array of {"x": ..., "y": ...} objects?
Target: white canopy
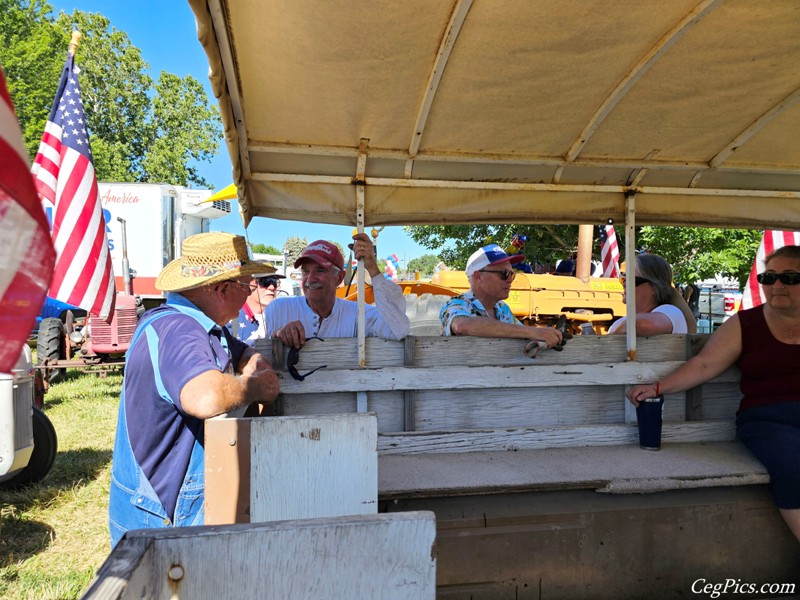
[{"x": 481, "y": 111}]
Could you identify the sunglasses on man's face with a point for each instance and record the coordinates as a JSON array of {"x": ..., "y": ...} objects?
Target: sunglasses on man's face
[
  {"x": 791, "y": 278},
  {"x": 265, "y": 282},
  {"x": 504, "y": 275},
  {"x": 292, "y": 359},
  {"x": 639, "y": 280}
]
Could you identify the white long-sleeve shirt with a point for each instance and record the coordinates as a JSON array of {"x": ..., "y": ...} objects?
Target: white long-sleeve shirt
[{"x": 387, "y": 319}]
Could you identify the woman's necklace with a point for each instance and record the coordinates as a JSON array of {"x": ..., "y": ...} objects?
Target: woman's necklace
[{"x": 788, "y": 329}]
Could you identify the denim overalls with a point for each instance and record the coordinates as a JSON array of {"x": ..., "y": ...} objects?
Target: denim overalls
[{"x": 133, "y": 504}]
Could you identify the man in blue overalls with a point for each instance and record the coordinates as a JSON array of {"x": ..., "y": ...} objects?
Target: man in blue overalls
[{"x": 183, "y": 367}]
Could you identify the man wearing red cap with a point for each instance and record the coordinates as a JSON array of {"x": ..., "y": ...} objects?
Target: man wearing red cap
[
  {"x": 319, "y": 313},
  {"x": 481, "y": 311}
]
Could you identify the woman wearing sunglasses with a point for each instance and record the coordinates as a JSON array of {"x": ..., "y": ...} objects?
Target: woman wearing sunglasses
[
  {"x": 250, "y": 323},
  {"x": 660, "y": 308},
  {"x": 764, "y": 342}
]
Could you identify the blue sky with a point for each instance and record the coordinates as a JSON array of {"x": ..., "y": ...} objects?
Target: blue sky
[{"x": 165, "y": 33}]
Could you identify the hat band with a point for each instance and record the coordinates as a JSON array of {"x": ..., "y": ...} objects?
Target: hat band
[{"x": 210, "y": 270}]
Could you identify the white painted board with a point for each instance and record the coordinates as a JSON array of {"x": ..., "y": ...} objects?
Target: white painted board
[
  {"x": 313, "y": 466},
  {"x": 365, "y": 557}
]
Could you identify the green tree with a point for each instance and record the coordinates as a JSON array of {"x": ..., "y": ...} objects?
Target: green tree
[
  {"x": 547, "y": 243},
  {"x": 264, "y": 249},
  {"x": 184, "y": 130},
  {"x": 425, "y": 264},
  {"x": 140, "y": 131},
  {"x": 32, "y": 52},
  {"x": 293, "y": 247},
  {"x": 701, "y": 253},
  {"x": 695, "y": 253}
]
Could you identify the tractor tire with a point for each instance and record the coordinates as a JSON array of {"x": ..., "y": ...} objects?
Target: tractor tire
[
  {"x": 423, "y": 312},
  {"x": 45, "y": 446},
  {"x": 50, "y": 345}
]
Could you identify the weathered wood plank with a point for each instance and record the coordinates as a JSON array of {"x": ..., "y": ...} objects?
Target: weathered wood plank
[
  {"x": 517, "y": 407},
  {"x": 409, "y": 396},
  {"x": 438, "y": 378},
  {"x": 227, "y": 471},
  {"x": 388, "y": 406},
  {"x": 720, "y": 400},
  {"x": 532, "y": 438},
  {"x": 342, "y": 353},
  {"x": 337, "y": 353},
  {"x": 118, "y": 575},
  {"x": 297, "y": 471},
  {"x": 616, "y": 469},
  {"x": 314, "y": 558},
  {"x": 473, "y": 351}
]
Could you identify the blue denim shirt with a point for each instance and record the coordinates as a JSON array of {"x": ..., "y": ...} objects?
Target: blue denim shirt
[{"x": 134, "y": 502}]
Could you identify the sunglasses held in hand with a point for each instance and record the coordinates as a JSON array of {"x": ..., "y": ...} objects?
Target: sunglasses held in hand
[{"x": 294, "y": 356}]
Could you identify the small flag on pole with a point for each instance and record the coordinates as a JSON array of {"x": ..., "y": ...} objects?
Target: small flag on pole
[
  {"x": 26, "y": 254},
  {"x": 770, "y": 241},
  {"x": 609, "y": 252},
  {"x": 65, "y": 176}
]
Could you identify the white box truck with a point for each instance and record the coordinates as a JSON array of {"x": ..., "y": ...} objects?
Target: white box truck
[{"x": 158, "y": 218}]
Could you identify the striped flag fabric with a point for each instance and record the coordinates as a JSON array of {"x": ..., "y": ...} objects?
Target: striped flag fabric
[
  {"x": 65, "y": 177},
  {"x": 26, "y": 254},
  {"x": 770, "y": 241},
  {"x": 609, "y": 251}
]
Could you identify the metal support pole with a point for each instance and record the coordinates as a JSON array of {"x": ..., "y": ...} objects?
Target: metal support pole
[
  {"x": 361, "y": 397},
  {"x": 630, "y": 289},
  {"x": 630, "y": 269}
]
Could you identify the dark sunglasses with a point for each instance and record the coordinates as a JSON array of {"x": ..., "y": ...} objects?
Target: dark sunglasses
[
  {"x": 294, "y": 356},
  {"x": 784, "y": 278},
  {"x": 639, "y": 280},
  {"x": 504, "y": 275},
  {"x": 265, "y": 282}
]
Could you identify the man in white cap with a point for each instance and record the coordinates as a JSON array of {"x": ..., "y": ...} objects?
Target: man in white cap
[
  {"x": 319, "y": 313},
  {"x": 481, "y": 311},
  {"x": 183, "y": 367}
]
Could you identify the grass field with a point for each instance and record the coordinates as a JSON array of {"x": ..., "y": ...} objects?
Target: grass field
[{"x": 54, "y": 535}]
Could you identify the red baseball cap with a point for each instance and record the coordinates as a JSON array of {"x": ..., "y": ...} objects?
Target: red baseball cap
[{"x": 323, "y": 253}]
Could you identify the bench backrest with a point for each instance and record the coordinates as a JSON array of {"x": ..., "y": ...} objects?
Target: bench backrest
[{"x": 445, "y": 384}]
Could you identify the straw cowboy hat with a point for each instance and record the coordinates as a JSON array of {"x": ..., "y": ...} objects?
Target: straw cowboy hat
[{"x": 210, "y": 258}]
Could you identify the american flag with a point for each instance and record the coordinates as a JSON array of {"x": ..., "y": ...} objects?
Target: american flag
[
  {"x": 770, "y": 241},
  {"x": 65, "y": 176},
  {"x": 26, "y": 254},
  {"x": 609, "y": 252}
]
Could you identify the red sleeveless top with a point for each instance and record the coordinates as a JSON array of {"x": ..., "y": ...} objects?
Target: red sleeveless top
[{"x": 770, "y": 369}]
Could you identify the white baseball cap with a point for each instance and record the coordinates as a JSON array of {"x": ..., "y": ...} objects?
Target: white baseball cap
[{"x": 490, "y": 255}]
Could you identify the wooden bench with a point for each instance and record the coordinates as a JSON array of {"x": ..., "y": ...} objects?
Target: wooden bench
[
  {"x": 454, "y": 412},
  {"x": 510, "y": 454}
]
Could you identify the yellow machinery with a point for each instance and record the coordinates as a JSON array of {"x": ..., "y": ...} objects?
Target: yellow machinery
[
  {"x": 534, "y": 299},
  {"x": 541, "y": 299}
]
